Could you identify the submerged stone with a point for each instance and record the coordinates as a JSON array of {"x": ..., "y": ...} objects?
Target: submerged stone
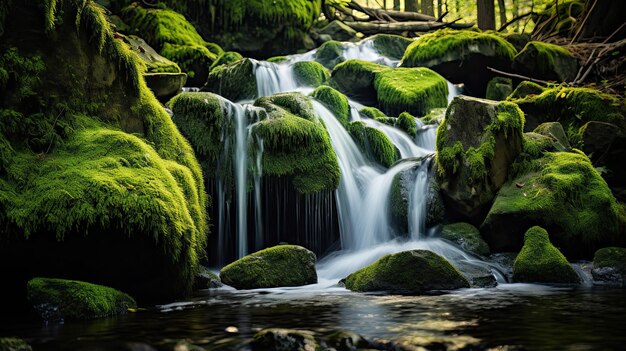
[
  {"x": 540, "y": 262},
  {"x": 282, "y": 265},
  {"x": 547, "y": 62},
  {"x": 413, "y": 272},
  {"x": 275, "y": 339},
  {"x": 466, "y": 236}
]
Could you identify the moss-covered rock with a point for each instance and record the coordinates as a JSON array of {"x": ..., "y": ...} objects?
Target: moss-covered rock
[
  {"x": 372, "y": 112},
  {"x": 546, "y": 61},
  {"x": 338, "y": 31},
  {"x": 275, "y": 339},
  {"x": 540, "y": 262},
  {"x": 235, "y": 81},
  {"x": 518, "y": 40},
  {"x": 330, "y": 54},
  {"x": 14, "y": 344},
  {"x": 392, "y": 46},
  {"x": 175, "y": 38},
  {"x": 499, "y": 88},
  {"x": 445, "y": 51},
  {"x": 374, "y": 142},
  {"x": 95, "y": 164},
  {"x": 59, "y": 299},
  {"x": 282, "y": 265},
  {"x": 526, "y": 88},
  {"x": 310, "y": 73},
  {"x": 413, "y": 272},
  {"x": 407, "y": 123},
  {"x": 154, "y": 62},
  {"x": 356, "y": 78},
  {"x": 563, "y": 193},
  {"x": 226, "y": 58},
  {"x": 466, "y": 236},
  {"x": 476, "y": 144},
  {"x": 555, "y": 131},
  {"x": 414, "y": 90},
  {"x": 336, "y": 102},
  {"x": 205, "y": 279},
  {"x": 609, "y": 266}
]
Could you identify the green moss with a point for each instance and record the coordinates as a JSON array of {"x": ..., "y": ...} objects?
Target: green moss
[
  {"x": 466, "y": 236},
  {"x": 226, "y": 58},
  {"x": 534, "y": 145},
  {"x": 372, "y": 112},
  {"x": 374, "y": 142},
  {"x": 407, "y": 123},
  {"x": 336, "y": 102},
  {"x": 452, "y": 45},
  {"x": 295, "y": 103},
  {"x": 526, "y": 88},
  {"x": 547, "y": 61},
  {"x": 435, "y": 116},
  {"x": 77, "y": 300},
  {"x": 355, "y": 78},
  {"x": 330, "y": 54},
  {"x": 416, "y": 271},
  {"x": 392, "y": 46},
  {"x": 499, "y": 88},
  {"x": 414, "y": 90},
  {"x": 310, "y": 73},
  {"x": 282, "y": 265},
  {"x": 277, "y": 59},
  {"x": 540, "y": 262},
  {"x": 13, "y": 344},
  {"x": 610, "y": 257},
  {"x": 235, "y": 81}
]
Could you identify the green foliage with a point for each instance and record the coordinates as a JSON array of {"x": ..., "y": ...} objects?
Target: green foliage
[
  {"x": 77, "y": 300},
  {"x": 540, "y": 262},
  {"x": 310, "y": 73},
  {"x": 466, "y": 236},
  {"x": 282, "y": 265},
  {"x": 407, "y": 123},
  {"x": 526, "y": 88},
  {"x": 416, "y": 271},
  {"x": 451, "y": 45},
  {"x": 336, "y": 102},
  {"x": 559, "y": 17},
  {"x": 414, "y": 90},
  {"x": 374, "y": 142},
  {"x": 610, "y": 257},
  {"x": 499, "y": 88}
]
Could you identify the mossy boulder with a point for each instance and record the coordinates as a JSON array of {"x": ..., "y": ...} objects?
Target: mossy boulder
[
  {"x": 554, "y": 131},
  {"x": 563, "y": 193},
  {"x": 282, "y": 265},
  {"x": 205, "y": 279},
  {"x": 414, "y": 90},
  {"x": 476, "y": 144},
  {"x": 526, "y": 88},
  {"x": 165, "y": 85},
  {"x": 338, "y": 31},
  {"x": 310, "y": 73},
  {"x": 275, "y": 339},
  {"x": 356, "y": 79},
  {"x": 235, "y": 81},
  {"x": 91, "y": 162},
  {"x": 546, "y": 61},
  {"x": 56, "y": 300},
  {"x": 466, "y": 236},
  {"x": 374, "y": 143},
  {"x": 330, "y": 54},
  {"x": 518, "y": 40},
  {"x": 540, "y": 262},
  {"x": 154, "y": 62},
  {"x": 226, "y": 58},
  {"x": 392, "y": 46},
  {"x": 407, "y": 123},
  {"x": 499, "y": 88},
  {"x": 335, "y": 101},
  {"x": 174, "y": 37},
  {"x": 461, "y": 56},
  {"x": 14, "y": 344},
  {"x": 372, "y": 112},
  {"x": 609, "y": 266},
  {"x": 411, "y": 272}
]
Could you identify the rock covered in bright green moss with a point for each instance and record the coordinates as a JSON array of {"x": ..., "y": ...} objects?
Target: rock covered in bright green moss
[
  {"x": 561, "y": 192},
  {"x": 356, "y": 78},
  {"x": 466, "y": 236},
  {"x": 330, "y": 54},
  {"x": 461, "y": 56},
  {"x": 372, "y": 112},
  {"x": 392, "y": 46},
  {"x": 518, "y": 40},
  {"x": 282, "y": 265},
  {"x": 540, "y": 262},
  {"x": 235, "y": 81},
  {"x": 335, "y": 101},
  {"x": 14, "y": 344},
  {"x": 226, "y": 58},
  {"x": 414, "y": 90},
  {"x": 609, "y": 266},
  {"x": 407, "y": 123},
  {"x": 476, "y": 144},
  {"x": 310, "y": 73},
  {"x": 276, "y": 339},
  {"x": 413, "y": 272},
  {"x": 555, "y": 131},
  {"x": 546, "y": 61},
  {"x": 526, "y": 88},
  {"x": 59, "y": 299},
  {"x": 374, "y": 143},
  {"x": 499, "y": 88}
]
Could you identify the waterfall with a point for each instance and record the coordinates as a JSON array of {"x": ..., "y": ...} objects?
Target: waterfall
[
  {"x": 417, "y": 203},
  {"x": 272, "y": 78}
]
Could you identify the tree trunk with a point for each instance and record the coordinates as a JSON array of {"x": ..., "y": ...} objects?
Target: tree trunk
[
  {"x": 411, "y": 6},
  {"x": 396, "y": 5},
  {"x": 502, "y": 9},
  {"x": 515, "y": 14},
  {"x": 486, "y": 14},
  {"x": 399, "y": 27},
  {"x": 428, "y": 8},
  {"x": 439, "y": 8}
]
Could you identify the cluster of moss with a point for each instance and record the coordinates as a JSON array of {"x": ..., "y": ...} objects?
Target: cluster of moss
[
  {"x": 336, "y": 102},
  {"x": 407, "y": 123},
  {"x": 546, "y": 61},
  {"x": 76, "y": 300},
  {"x": 372, "y": 112},
  {"x": 466, "y": 236},
  {"x": 310, "y": 73},
  {"x": 499, "y": 88},
  {"x": 610, "y": 257},
  {"x": 282, "y": 265},
  {"x": 109, "y": 160},
  {"x": 330, "y": 54},
  {"x": 374, "y": 143},
  {"x": 526, "y": 88},
  {"x": 540, "y": 262},
  {"x": 235, "y": 81},
  {"x": 416, "y": 271},
  {"x": 226, "y": 58},
  {"x": 14, "y": 344}
]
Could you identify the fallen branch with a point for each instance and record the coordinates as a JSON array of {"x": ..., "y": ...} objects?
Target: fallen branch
[
  {"x": 395, "y": 27},
  {"x": 513, "y": 75},
  {"x": 503, "y": 27}
]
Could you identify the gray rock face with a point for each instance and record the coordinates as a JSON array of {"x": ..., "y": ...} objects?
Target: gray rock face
[
  {"x": 165, "y": 85},
  {"x": 555, "y": 131}
]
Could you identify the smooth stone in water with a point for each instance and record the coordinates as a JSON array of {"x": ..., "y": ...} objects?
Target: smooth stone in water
[{"x": 275, "y": 339}]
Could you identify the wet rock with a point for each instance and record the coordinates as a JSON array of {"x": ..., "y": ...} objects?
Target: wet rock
[
  {"x": 466, "y": 236},
  {"x": 609, "y": 266},
  {"x": 282, "y": 265},
  {"x": 435, "y": 207},
  {"x": 338, "y": 31},
  {"x": 14, "y": 344},
  {"x": 476, "y": 144},
  {"x": 504, "y": 261},
  {"x": 330, "y": 54},
  {"x": 540, "y": 262},
  {"x": 392, "y": 46},
  {"x": 499, "y": 88},
  {"x": 165, "y": 85},
  {"x": 346, "y": 341},
  {"x": 478, "y": 276},
  {"x": 235, "y": 81},
  {"x": 276, "y": 339},
  {"x": 412, "y": 272},
  {"x": 546, "y": 61},
  {"x": 205, "y": 279},
  {"x": 429, "y": 342}
]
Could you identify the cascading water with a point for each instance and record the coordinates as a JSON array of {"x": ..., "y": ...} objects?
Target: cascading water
[{"x": 272, "y": 78}]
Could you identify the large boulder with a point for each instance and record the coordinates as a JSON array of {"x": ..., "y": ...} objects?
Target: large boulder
[
  {"x": 609, "y": 266},
  {"x": 413, "y": 272},
  {"x": 338, "y": 31},
  {"x": 563, "y": 193},
  {"x": 310, "y": 73},
  {"x": 540, "y": 262},
  {"x": 392, "y": 46},
  {"x": 466, "y": 236},
  {"x": 56, "y": 300},
  {"x": 356, "y": 78},
  {"x": 335, "y": 101},
  {"x": 235, "y": 81},
  {"x": 476, "y": 144},
  {"x": 282, "y": 265},
  {"x": 374, "y": 143},
  {"x": 461, "y": 56},
  {"x": 547, "y": 62}
]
